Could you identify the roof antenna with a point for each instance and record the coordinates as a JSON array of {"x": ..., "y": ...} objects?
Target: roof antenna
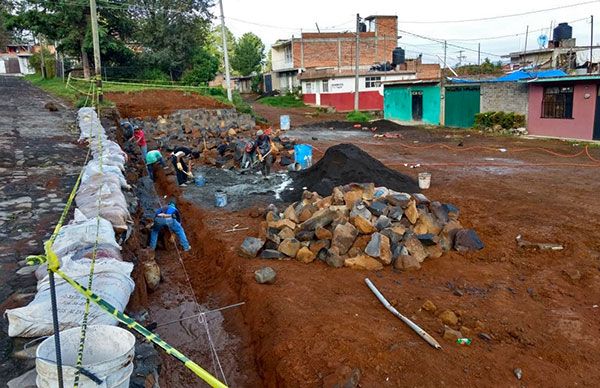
[{"x": 317, "y": 27}]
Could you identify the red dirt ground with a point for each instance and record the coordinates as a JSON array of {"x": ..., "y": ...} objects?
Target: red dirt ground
[
  {"x": 159, "y": 102},
  {"x": 298, "y": 116},
  {"x": 317, "y": 323}
]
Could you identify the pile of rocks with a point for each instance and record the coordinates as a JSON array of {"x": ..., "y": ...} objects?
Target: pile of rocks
[{"x": 363, "y": 227}]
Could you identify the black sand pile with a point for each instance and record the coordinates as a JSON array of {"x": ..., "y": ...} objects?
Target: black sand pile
[
  {"x": 381, "y": 125},
  {"x": 343, "y": 164}
]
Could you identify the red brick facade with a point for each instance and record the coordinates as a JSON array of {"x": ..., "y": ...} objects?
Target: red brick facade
[{"x": 339, "y": 49}]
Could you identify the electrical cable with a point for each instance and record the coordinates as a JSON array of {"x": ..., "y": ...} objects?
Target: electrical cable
[{"x": 498, "y": 16}]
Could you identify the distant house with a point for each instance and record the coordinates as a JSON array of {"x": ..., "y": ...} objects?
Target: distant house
[
  {"x": 335, "y": 88},
  {"x": 565, "y": 107},
  {"x": 14, "y": 59},
  {"x": 318, "y": 50}
]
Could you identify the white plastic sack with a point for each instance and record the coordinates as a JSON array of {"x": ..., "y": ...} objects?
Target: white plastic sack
[
  {"x": 113, "y": 205},
  {"x": 112, "y": 282},
  {"x": 93, "y": 168},
  {"x": 89, "y": 124},
  {"x": 81, "y": 233}
]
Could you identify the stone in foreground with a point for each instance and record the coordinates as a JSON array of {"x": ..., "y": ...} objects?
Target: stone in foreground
[
  {"x": 265, "y": 275},
  {"x": 251, "y": 246}
]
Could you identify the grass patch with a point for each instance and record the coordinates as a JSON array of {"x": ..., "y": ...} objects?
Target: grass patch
[
  {"x": 54, "y": 86},
  {"x": 286, "y": 101},
  {"x": 361, "y": 117}
]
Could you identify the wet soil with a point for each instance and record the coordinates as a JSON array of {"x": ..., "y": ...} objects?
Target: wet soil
[
  {"x": 536, "y": 310},
  {"x": 152, "y": 103}
]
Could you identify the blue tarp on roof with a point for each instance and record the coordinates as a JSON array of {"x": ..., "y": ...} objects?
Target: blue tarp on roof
[{"x": 513, "y": 77}]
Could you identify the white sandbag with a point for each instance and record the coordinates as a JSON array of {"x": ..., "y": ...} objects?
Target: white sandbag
[
  {"x": 113, "y": 205},
  {"x": 112, "y": 282},
  {"x": 93, "y": 168},
  {"x": 81, "y": 233},
  {"x": 103, "y": 251},
  {"x": 89, "y": 124}
]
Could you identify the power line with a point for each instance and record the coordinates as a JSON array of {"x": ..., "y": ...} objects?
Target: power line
[
  {"x": 497, "y": 17},
  {"x": 449, "y": 44}
]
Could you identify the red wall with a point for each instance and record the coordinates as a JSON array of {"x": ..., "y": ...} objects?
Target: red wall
[
  {"x": 344, "y": 102},
  {"x": 581, "y": 126}
]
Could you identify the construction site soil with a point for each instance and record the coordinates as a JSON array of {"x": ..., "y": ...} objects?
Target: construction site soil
[
  {"x": 343, "y": 164},
  {"x": 152, "y": 103},
  {"x": 317, "y": 325}
]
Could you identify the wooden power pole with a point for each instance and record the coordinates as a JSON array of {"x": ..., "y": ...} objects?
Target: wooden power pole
[{"x": 96, "y": 42}]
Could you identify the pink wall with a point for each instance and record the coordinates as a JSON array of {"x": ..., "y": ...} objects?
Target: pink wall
[
  {"x": 581, "y": 126},
  {"x": 344, "y": 102}
]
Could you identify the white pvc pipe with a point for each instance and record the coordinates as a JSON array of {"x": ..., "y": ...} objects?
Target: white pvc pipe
[{"x": 430, "y": 340}]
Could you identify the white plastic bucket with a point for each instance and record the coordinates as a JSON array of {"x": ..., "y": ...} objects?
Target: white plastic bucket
[
  {"x": 220, "y": 199},
  {"x": 284, "y": 122},
  {"x": 424, "y": 180},
  {"x": 108, "y": 354}
]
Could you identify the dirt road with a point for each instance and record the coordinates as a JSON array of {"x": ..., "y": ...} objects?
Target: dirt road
[{"x": 39, "y": 162}]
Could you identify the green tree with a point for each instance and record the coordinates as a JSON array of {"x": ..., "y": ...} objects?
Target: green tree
[
  {"x": 171, "y": 31},
  {"x": 248, "y": 54},
  {"x": 68, "y": 24},
  {"x": 214, "y": 45},
  {"x": 204, "y": 68}
]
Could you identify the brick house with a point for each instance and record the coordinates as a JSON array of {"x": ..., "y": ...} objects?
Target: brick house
[
  {"x": 334, "y": 50},
  {"x": 335, "y": 88}
]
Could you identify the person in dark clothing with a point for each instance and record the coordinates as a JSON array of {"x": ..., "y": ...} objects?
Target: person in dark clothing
[
  {"x": 263, "y": 152},
  {"x": 181, "y": 158},
  {"x": 168, "y": 217}
]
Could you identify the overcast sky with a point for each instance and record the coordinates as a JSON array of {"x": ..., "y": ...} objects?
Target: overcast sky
[{"x": 272, "y": 20}]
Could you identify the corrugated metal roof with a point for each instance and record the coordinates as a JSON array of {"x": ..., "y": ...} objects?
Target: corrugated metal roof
[{"x": 568, "y": 78}]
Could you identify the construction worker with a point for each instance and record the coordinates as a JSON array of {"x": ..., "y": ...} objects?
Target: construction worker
[
  {"x": 140, "y": 138},
  {"x": 168, "y": 217},
  {"x": 249, "y": 155},
  {"x": 263, "y": 152},
  {"x": 152, "y": 159},
  {"x": 182, "y": 169}
]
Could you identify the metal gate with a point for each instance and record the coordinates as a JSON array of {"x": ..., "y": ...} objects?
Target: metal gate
[
  {"x": 462, "y": 103},
  {"x": 12, "y": 66}
]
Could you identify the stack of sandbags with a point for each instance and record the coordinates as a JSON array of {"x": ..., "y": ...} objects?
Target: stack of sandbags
[
  {"x": 364, "y": 227},
  {"x": 101, "y": 209}
]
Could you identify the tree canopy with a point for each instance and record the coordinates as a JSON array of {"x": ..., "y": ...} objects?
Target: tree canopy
[{"x": 248, "y": 55}]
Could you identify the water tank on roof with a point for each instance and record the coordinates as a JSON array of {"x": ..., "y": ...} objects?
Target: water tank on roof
[
  {"x": 562, "y": 31},
  {"x": 362, "y": 27},
  {"x": 398, "y": 56}
]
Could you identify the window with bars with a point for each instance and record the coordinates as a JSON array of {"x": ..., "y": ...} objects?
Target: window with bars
[
  {"x": 325, "y": 86},
  {"x": 308, "y": 87},
  {"x": 557, "y": 102},
  {"x": 372, "y": 82}
]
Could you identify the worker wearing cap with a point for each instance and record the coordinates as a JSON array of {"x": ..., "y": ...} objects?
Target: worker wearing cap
[
  {"x": 152, "y": 159},
  {"x": 182, "y": 169},
  {"x": 263, "y": 152},
  {"x": 168, "y": 217}
]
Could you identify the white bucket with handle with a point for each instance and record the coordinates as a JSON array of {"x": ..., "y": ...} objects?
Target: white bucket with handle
[
  {"x": 108, "y": 355},
  {"x": 424, "y": 180}
]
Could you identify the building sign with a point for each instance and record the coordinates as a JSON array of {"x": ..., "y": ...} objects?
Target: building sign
[{"x": 336, "y": 86}]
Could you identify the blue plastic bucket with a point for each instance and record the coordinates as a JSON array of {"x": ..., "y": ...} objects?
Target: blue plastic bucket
[
  {"x": 200, "y": 181},
  {"x": 284, "y": 122},
  {"x": 220, "y": 199},
  {"x": 303, "y": 155}
]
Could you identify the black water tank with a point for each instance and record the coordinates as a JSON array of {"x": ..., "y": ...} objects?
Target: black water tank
[
  {"x": 362, "y": 27},
  {"x": 562, "y": 31},
  {"x": 398, "y": 56}
]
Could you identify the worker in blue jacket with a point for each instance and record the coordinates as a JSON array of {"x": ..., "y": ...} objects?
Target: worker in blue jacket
[{"x": 168, "y": 217}]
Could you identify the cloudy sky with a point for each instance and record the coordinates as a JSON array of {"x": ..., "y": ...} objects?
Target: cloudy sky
[{"x": 272, "y": 20}]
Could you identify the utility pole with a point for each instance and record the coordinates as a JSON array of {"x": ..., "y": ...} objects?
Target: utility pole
[
  {"x": 479, "y": 59},
  {"x": 356, "y": 77},
  {"x": 525, "y": 49},
  {"x": 460, "y": 57},
  {"x": 96, "y": 42},
  {"x": 591, "y": 43},
  {"x": 445, "y": 49},
  {"x": 43, "y": 60},
  {"x": 225, "y": 53}
]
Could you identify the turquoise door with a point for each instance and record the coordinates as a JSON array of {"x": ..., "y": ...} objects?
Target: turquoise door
[{"x": 462, "y": 103}]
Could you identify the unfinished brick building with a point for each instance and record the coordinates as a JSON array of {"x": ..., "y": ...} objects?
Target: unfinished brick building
[{"x": 333, "y": 50}]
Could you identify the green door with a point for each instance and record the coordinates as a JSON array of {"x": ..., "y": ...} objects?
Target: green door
[{"x": 462, "y": 103}]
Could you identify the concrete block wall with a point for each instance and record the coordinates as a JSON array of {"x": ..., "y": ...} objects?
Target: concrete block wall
[{"x": 505, "y": 97}]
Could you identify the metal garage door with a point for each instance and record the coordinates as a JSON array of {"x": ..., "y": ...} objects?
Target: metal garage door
[{"x": 462, "y": 103}]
